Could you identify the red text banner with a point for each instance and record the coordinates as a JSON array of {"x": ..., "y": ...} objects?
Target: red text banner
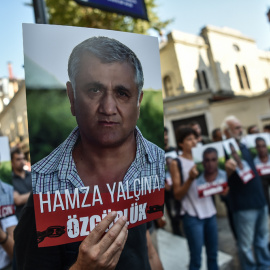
[
  {"x": 67, "y": 218},
  {"x": 7, "y": 210}
]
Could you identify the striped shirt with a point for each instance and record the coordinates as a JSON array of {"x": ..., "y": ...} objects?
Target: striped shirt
[{"x": 57, "y": 171}]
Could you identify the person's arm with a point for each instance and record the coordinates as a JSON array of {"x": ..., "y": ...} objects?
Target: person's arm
[
  {"x": 99, "y": 251},
  {"x": 7, "y": 238},
  {"x": 20, "y": 199},
  {"x": 154, "y": 260},
  {"x": 181, "y": 190}
]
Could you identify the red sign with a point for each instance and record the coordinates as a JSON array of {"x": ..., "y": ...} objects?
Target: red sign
[
  {"x": 7, "y": 210},
  {"x": 67, "y": 218}
]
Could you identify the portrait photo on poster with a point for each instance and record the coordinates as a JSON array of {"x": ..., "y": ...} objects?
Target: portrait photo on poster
[
  {"x": 210, "y": 161},
  {"x": 259, "y": 146},
  {"x": 242, "y": 167},
  {"x": 95, "y": 117}
]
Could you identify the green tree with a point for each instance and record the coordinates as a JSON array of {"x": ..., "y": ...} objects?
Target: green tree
[{"x": 63, "y": 12}]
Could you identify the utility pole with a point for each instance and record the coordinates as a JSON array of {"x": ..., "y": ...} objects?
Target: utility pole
[{"x": 40, "y": 11}]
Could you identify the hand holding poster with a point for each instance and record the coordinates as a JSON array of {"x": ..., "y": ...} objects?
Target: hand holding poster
[
  {"x": 210, "y": 161},
  {"x": 259, "y": 146},
  {"x": 243, "y": 169},
  {"x": 105, "y": 164}
]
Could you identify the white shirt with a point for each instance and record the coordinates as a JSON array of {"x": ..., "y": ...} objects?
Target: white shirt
[{"x": 191, "y": 203}]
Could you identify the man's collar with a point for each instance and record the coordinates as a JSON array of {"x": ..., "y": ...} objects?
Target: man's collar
[{"x": 61, "y": 158}]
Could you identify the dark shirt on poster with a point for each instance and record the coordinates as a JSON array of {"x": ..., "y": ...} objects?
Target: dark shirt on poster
[
  {"x": 30, "y": 257},
  {"x": 250, "y": 195},
  {"x": 22, "y": 186}
]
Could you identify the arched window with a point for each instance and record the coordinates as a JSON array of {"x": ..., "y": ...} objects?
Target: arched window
[
  {"x": 239, "y": 77},
  {"x": 246, "y": 77},
  {"x": 205, "y": 79},
  {"x": 199, "y": 79},
  {"x": 168, "y": 86}
]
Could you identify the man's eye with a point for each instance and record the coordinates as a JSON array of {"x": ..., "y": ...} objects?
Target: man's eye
[
  {"x": 94, "y": 90},
  {"x": 122, "y": 93}
]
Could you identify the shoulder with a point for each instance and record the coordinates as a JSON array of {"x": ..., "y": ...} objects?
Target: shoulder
[
  {"x": 51, "y": 162},
  {"x": 221, "y": 172},
  {"x": 200, "y": 179},
  {"x": 153, "y": 152},
  {"x": 6, "y": 187}
]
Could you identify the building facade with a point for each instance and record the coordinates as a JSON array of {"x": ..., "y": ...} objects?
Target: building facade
[{"x": 213, "y": 75}]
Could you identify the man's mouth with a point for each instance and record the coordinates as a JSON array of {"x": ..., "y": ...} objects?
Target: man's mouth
[{"x": 107, "y": 123}]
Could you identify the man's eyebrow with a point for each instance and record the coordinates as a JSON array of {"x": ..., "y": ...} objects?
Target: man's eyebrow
[{"x": 121, "y": 87}]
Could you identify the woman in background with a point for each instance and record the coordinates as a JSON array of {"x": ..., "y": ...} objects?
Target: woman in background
[{"x": 199, "y": 214}]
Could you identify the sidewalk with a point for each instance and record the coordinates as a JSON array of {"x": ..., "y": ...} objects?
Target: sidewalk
[{"x": 174, "y": 254}]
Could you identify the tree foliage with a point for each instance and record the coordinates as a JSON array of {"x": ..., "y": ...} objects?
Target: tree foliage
[{"x": 63, "y": 12}]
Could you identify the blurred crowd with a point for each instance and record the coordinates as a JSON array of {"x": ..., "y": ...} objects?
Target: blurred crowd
[
  {"x": 12, "y": 200},
  {"x": 247, "y": 204}
]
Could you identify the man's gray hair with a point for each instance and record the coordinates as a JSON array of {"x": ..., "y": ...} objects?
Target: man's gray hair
[
  {"x": 107, "y": 50},
  {"x": 224, "y": 125}
]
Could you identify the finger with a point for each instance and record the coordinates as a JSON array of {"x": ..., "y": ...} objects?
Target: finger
[
  {"x": 114, "y": 251},
  {"x": 110, "y": 237},
  {"x": 100, "y": 229}
]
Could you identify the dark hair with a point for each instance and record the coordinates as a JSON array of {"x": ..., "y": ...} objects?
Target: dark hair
[
  {"x": 15, "y": 151},
  {"x": 183, "y": 132},
  {"x": 259, "y": 139},
  {"x": 266, "y": 127},
  {"x": 250, "y": 128},
  {"x": 193, "y": 123},
  {"x": 107, "y": 50},
  {"x": 214, "y": 132},
  {"x": 165, "y": 129},
  {"x": 210, "y": 150}
]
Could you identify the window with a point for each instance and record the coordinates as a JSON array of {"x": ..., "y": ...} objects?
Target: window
[
  {"x": 236, "y": 48},
  {"x": 239, "y": 77},
  {"x": 205, "y": 79},
  {"x": 247, "y": 85},
  {"x": 202, "y": 79},
  {"x": 199, "y": 79},
  {"x": 168, "y": 86}
]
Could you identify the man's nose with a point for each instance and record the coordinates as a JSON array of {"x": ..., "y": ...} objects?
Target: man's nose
[{"x": 108, "y": 104}]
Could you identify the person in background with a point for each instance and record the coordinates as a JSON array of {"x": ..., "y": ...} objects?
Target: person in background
[
  {"x": 216, "y": 135},
  {"x": 7, "y": 225},
  {"x": 266, "y": 128},
  {"x": 253, "y": 129},
  {"x": 21, "y": 180},
  {"x": 201, "y": 138},
  {"x": 249, "y": 206},
  {"x": 262, "y": 163},
  {"x": 199, "y": 214}
]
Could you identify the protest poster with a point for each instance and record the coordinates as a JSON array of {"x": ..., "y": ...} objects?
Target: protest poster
[
  {"x": 259, "y": 146},
  {"x": 106, "y": 104},
  {"x": 5, "y": 176},
  {"x": 210, "y": 161},
  {"x": 243, "y": 169}
]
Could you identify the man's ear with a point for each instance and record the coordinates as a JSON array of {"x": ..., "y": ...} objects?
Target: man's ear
[
  {"x": 140, "y": 99},
  {"x": 71, "y": 98}
]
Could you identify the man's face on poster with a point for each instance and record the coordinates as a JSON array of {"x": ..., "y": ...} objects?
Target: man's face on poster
[
  {"x": 261, "y": 148},
  {"x": 210, "y": 162},
  {"x": 106, "y": 104}
]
